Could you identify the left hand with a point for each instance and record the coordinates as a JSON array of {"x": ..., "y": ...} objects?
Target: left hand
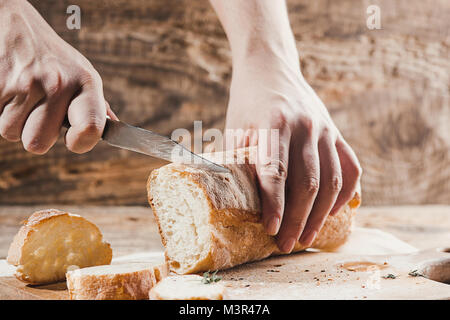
[{"x": 315, "y": 173}]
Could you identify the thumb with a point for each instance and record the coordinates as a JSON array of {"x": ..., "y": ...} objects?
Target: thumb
[{"x": 87, "y": 117}]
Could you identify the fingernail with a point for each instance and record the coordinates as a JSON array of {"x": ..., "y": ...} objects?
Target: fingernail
[
  {"x": 308, "y": 239},
  {"x": 114, "y": 115},
  {"x": 288, "y": 245},
  {"x": 272, "y": 226}
]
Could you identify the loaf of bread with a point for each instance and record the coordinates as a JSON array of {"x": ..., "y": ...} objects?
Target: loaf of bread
[
  {"x": 129, "y": 281},
  {"x": 52, "y": 242},
  {"x": 211, "y": 221},
  {"x": 187, "y": 287}
]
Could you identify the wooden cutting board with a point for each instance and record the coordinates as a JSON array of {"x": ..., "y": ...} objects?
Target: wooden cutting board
[
  {"x": 312, "y": 275},
  {"x": 372, "y": 265}
]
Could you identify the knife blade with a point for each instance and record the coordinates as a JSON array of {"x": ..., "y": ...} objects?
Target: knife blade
[{"x": 122, "y": 135}]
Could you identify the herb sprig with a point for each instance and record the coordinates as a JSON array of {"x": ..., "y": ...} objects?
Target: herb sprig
[
  {"x": 415, "y": 273},
  {"x": 210, "y": 277}
]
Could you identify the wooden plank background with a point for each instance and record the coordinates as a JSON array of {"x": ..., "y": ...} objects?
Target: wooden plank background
[{"x": 167, "y": 63}]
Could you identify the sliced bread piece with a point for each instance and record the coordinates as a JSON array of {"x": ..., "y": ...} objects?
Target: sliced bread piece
[
  {"x": 187, "y": 287},
  {"x": 211, "y": 221},
  {"x": 52, "y": 242},
  {"x": 128, "y": 281}
]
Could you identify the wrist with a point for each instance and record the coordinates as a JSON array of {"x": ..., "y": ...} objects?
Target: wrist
[
  {"x": 267, "y": 58},
  {"x": 258, "y": 31},
  {"x": 267, "y": 63},
  {"x": 265, "y": 48}
]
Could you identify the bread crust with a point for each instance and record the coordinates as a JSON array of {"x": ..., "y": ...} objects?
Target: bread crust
[
  {"x": 15, "y": 249},
  {"x": 38, "y": 218},
  {"x": 237, "y": 233},
  {"x": 133, "y": 285}
]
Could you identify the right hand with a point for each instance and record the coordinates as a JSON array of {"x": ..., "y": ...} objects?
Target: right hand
[{"x": 43, "y": 79}]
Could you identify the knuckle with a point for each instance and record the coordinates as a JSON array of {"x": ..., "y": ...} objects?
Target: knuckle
[
  {"x": 90, "y": 76},
  {"x": 359, "y": 171},
  {"x": 311, "y": 185},
  {"x": 26, "y": 81},
  {"x": 9, "y": 132},
  {"x": 10, "y": 136},
  {"x": 29, "y": 86},
  {"x": 91, "y": 129},
  {"x": 275, "y": 170},
  {"x": 328, "y": 133},
  {"x": 55, "y": 84},
  {"x": 84, "y": 137},
  {"x": 279, "y": 118},
  {"x": 276, "y": 205},
  {"x": 335, "y": 184},
  {"x": 25, "y": 86},
  {"x": 297, "y": 222},
  {"x": 307, "y": 124},
  {"x": 35, "y": 146},
  {"x": 75, "y": 148},
  {"x": 356, "y": 170}
]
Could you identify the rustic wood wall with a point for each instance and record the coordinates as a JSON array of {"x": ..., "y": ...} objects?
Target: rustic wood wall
[{"x": 167, "y": 63}]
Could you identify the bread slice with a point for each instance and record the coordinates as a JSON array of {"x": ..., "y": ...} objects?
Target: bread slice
[
  {"x": 211, "y": 221},
  {"x": 51, "y": 242},
  {"x": 129, "y": 281},
  {"x": 187, "y": 287}
]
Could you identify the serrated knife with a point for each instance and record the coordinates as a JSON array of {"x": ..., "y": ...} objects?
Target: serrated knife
[{"x": 122, "y": 135}]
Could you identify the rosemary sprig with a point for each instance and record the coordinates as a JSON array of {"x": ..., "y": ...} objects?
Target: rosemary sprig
[
  {"x": 415, "y": 273},
  {"x": 210, "y": 277}
]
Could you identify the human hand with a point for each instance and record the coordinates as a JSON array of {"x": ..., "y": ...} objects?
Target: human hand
[
  {"x": 43, "y": 79},
  {"x": 315, "y": 173}
]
